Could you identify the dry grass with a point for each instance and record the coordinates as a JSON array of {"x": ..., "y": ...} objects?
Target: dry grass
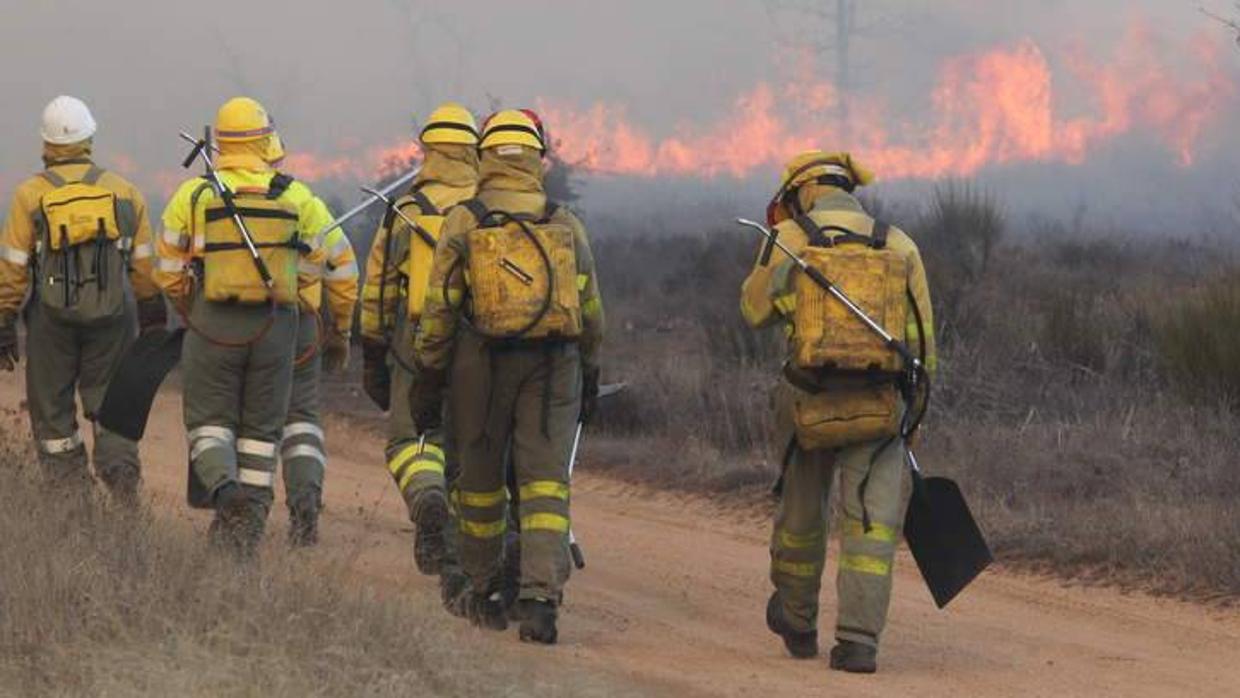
[
  {"x": 1085, "y": 400},
  {"x": 96, "y": 602}
]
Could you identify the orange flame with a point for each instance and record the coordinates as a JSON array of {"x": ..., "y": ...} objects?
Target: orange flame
[{"x": 991, "y": 108}]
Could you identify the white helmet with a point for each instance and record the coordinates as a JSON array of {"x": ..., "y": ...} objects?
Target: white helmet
[{"x": 67, "y": 120}]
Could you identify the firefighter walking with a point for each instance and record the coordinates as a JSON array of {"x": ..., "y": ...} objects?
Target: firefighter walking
[
  {"x": 844, "y": 401},
  {"x": 239, "y": 353},
  {"x": 512, "y": 326},
  {"x": 397, "y": 278},
  {"x": 321, "y": 346},
  {"x": 78, "y": 239}
]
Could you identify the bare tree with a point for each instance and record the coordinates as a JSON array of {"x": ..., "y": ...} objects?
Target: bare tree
[
  {"x": 811, "y": 22},
  {"x": 1230, "y": 23}
]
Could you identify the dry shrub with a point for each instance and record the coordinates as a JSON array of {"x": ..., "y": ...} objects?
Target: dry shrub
[
  {"x": 1052, "y": 409},
  {"x": 1198, "y": 337},
  {"x": 95, "y": 601}
]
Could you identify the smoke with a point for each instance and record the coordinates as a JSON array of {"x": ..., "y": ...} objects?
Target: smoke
[{"x": 1101, "y": 95}]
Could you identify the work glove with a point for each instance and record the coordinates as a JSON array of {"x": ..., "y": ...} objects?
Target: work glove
[
  {"x": 426, "y": 398},
  {"x": 335, "y": 351},
  {"x": 8, "y": 344},
  {"x": 152, "y": 315},
  {"x": 376, "y": 378},
  {"x": 589, "y": 393}
]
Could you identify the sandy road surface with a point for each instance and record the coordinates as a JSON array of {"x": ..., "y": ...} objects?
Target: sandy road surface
[{"x": 671, "y": 602}]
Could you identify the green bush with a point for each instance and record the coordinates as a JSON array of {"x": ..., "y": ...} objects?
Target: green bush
[{"x": 1199, "y": 342}]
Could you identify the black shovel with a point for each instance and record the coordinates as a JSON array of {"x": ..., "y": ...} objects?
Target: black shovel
[
  {"x": 943, "y": 537},
  {"x": 131, "y": 392}
]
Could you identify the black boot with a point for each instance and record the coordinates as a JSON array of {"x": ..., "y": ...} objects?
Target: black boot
[
  {"x": 229, "y": 530},
  {"x": 800, "y": 644},
  {"x": 854, "y": 657},
  {"x": 538, "y": 618},
  {"x": 486, "y": 610},
  {"x": 430, "y": 517},
  {"x": 454, "y": 591},
  {"x": 303, "y": 527}
]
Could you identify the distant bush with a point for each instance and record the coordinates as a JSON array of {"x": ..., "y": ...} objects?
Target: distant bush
[
  {"x": 1199, "y": 342},
  {"x": 961, "y": 230}
]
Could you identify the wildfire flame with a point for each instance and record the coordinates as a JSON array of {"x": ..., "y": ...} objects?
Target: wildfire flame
[
  {"x": 1001, "y": 106},
  {"x": 991, "y": 108}
]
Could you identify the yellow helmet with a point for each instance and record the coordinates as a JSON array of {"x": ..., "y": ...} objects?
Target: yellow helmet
[
  {"x": 241, "y": 120},
  {"x": 815, "y": 164},
  {"x": 450, "y": 123},
  {"x": 514, "y": 127}
]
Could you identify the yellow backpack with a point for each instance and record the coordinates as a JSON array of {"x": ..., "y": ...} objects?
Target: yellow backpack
[
  {"x": 827, "y": 335},
  {"x": 82, "y": 261},
  {"x": 522, "y": 275},
  {"x": 230, "y": 275},
  {"x": 419, "y": 255}
]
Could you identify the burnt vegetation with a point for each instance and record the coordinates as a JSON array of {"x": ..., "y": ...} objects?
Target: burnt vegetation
[{"x": 1086, "y": 400}]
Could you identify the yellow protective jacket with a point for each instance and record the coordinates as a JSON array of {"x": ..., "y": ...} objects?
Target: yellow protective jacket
[
  {"x": 337, "y": 273},
  {"x": 769, "y": 294},
  {"x": 181, "y": 242},
  {"x": 449, "y": 176},
  {"x": 20, "y": 237},
  {"x": 514, "y": 185}
]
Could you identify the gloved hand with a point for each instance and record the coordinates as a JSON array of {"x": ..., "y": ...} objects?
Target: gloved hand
[
  {"x": 376, "y": 378},
  {"x": 335, "y": 351},
  {"x": 152, "y": 314},
  {"x": 589, "y": 393},
  {"x": 426, "y": 398},
  {"x": 8, "y": 344}
]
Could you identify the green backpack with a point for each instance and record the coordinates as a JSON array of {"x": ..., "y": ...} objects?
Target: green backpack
[{"x": 85, "y": 237}]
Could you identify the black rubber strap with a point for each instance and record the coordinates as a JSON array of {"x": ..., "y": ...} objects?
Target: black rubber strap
[
  {"x": 424, "y": 203},
  {"x": 878, "y": 239},
  {"x": 279, "y": 184},
  {"x": 219, "y": 214},
  {"x": 477, "y": 209}
]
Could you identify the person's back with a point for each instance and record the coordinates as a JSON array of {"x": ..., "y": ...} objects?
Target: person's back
[
  {"x": 78, "y": 241},
  {"x": 397, "y": 284},
  {"x": 514, "y": 313},
  {"x": 238, "y": 353},
  {"x": 844, "y": 402}
]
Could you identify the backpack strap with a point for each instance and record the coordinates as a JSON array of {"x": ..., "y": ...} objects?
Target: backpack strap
[
  {"x": 552, "y": 208},
  {"x": 53, "y": 178},
  {"x": 93, "y": 175},
  {"x": 813, "y": 232},
  {"x": 878, "y": 238},
  {"x": 279, "y": 184},
  {"x": 476, "y": 208},
  {"x": 424, "y": 203}
]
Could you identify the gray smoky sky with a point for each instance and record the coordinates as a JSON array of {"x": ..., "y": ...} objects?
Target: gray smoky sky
[{"x": 340, "y": 74}]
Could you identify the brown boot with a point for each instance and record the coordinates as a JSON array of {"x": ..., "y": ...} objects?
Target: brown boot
[{"x": 800, "y": 644}]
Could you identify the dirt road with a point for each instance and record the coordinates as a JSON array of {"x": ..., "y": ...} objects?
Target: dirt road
[{"x": 671, "y": 601}]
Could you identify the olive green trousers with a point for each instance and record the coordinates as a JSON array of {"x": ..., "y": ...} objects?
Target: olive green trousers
[
  {"x": 874, "y": 486},
  {"x": 236, "y": 400},
  {"x": 522, "y": 401},
  {"x": 66, "y": 361}
]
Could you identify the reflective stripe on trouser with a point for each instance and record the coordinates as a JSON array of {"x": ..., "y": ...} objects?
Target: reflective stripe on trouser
[
  {"x": 243, "y": 391},
  {"x": 67, "y": 361},
  {"x": 411, "y": 470},
  {"x": 798, "y": 542},
  {"x": 303, "y": 452},
  {"x": 512, "y": 383}
]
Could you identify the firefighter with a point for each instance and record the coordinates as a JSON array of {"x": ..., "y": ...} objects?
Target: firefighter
[
  {"x": 844, "y": 400},
  {"x": 512, "y": 324},
  {"x": 78, "y": 239},
  {"x": 239, "y": 353},
  {"x": 397, "y": 274},
  {"x": 321, "y": 347}
]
